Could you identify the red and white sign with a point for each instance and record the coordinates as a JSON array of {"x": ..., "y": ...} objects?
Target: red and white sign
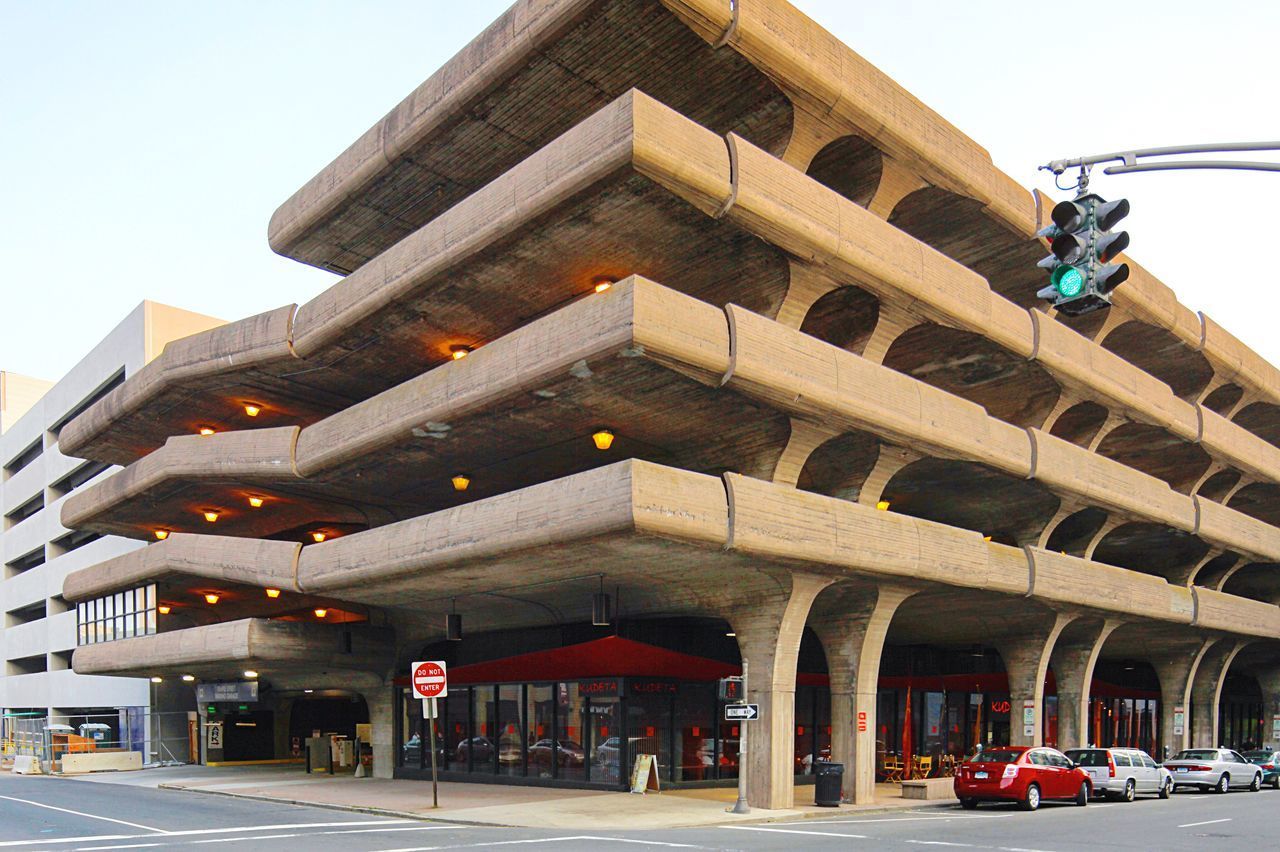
[
  {"x": 429, "y": 679},
  {"x": 862, "y": 721}
]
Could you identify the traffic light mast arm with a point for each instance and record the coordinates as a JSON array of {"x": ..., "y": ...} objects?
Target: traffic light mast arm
[{"x": 1128, "y": 159}]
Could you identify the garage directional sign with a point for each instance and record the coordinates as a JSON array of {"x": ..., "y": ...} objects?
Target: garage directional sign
[
  {"x": 429, "y": 679},
  {"x": 741, "y": 712}
]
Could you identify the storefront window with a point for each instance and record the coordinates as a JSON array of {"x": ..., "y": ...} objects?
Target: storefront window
[
  {"x": 570, "y": 712},
  {"x": 694, "y": 744},
  {"x": 606, "y": 743},
  {"x": 481, "y": 749},
  {"x": 649, "y": 721},
  {"x": 455, "y": 726},
  {"x": 511, "y": 717},
  {"x": 804, "y": 731},
  {"x": 542, "y": 752}
]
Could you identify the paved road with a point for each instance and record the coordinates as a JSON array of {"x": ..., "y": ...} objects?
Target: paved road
[{"x": 56, "y": 815}]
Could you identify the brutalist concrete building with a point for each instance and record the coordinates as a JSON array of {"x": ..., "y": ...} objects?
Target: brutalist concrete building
[{"x": 672, "y": 333}]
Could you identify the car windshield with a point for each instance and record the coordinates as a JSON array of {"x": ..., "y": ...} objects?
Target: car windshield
[
  {"x": 996, "y": 755},
  {"x": 1088, "y": 756},
  {"x": 1197, "y": 754}
]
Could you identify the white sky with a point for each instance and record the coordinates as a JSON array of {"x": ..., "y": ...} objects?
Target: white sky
[{"x": 144, "y": 145}]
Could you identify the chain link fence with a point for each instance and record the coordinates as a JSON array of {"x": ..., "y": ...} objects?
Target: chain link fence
[{"x": 161, "y": 738}]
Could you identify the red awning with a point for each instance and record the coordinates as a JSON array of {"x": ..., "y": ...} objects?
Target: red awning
[{"x": 612, "y": 656}]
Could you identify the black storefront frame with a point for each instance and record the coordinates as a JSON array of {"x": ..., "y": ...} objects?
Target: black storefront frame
[{"x": 624, "y": 698}]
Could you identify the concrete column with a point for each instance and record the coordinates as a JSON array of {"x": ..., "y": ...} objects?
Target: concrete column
[
  {"x": 1026, "y": 662},
  {"x": 769, "y": 628},
  {"x": 1269, "y": 682},
  {"x": 1073, "y": 659},
  {"x": 381, "y": 703},
  {"x": 852, "y": 623},
  {"x": 1206, "y": 690},
  {"x": 1176, "y": 672}
]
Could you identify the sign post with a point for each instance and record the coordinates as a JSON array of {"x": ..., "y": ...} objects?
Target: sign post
[
  {"x": 430, "y": 681},
  {"x": 740, "y": 806}
]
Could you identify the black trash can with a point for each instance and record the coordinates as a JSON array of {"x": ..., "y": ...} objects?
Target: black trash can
[{"x": 828, "y": 779}]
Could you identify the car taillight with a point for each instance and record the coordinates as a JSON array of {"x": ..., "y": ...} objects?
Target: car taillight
[
  {"x": 1200, "y": 768},
  {"x": 1010, "y": 770},
  {"x": 1111, "y": 767},
  {"x": 1268, "y": 766}
]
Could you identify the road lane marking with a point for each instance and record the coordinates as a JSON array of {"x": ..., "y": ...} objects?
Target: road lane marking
[
  {"x": 197, "y": 831},
  {"x": 82, "y": 814},
  {"x": 903, "y": 819},
  {"x": 488, "y": 843},
  {"x": 1206, "y": 822},
  {"x": 796, "y": 831},
  {"x": 937, "y": 843}
]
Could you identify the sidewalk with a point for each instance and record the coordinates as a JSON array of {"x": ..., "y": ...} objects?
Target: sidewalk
[{"x": 490, "y": 804}]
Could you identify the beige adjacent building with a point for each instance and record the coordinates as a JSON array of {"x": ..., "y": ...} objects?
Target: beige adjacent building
[{"x": 674, "y": 334}]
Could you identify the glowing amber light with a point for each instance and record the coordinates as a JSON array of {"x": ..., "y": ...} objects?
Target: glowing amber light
[
  {"x": 321, "y": 613},
  {"x": 188, "y": 678},
  {"x": 883, "y": 505},
  {"x": 255, "y": 502},
  {"x": 460, "y": 482},
  {"x": 211, "y": 598},
  {"x": 986, "y": 538},
  {"x": 250, "y": 673},
  {"x": 252, "y": 410},
  {"x": 211, "y": 516},
  {"x": 162, "y": 534},
  {"x": 318, "y": 537},
  {"x": 164, "y": 609},
  {"x": 603, "y": 284},
  {"x": 206, "y": 430},
  {"x": 459, "y": 352},
  {"x": 273, "y": 593},
  {"x": 603, "y": 439}
]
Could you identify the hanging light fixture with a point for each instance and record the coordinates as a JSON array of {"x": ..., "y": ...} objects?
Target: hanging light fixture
[
  {"x": 252, "y": 409},
  {"x": 601, "y": 607},
  {"x": 273, "y": 593},
  {"x": 321, "y": 612},
  {"x": 602, "y": 284},
  {"x": 211, "y": 516},
  {"x": 255, "y": 502},
  {"x": 157, "y": 680},
  {"x": 453, "y": 623},
  {"x": 188, "y": 678},
  {"x": 459, "y": 351},
  {"x": 460, "y": 481},
  {"x": 206, "y": 430},
  {"x": 212, "y": 598},
  {"x": 161, "y": 535},
  {"x": 250, "y": 673},
  {"x": 318, "y": 536},
  {"x": 164, "y": 609},
  {"x": 603, "y": 439}
]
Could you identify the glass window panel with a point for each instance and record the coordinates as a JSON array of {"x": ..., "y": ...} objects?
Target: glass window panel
[
  {"x": 571, "y": 711},
  {"x": 151, "y": 596},
  {"x": 457, "y": 724},
  {"x": 109, "y": 630},
  {"x": 695, "y": 744},
  {"x": 542, "y": 753},
  {"x": 151, "y": 621},
  {"x": 803, "y": 762},
  {"x": 82, "y": 634},
  {"x": 649, "y": 718},
  {"x": 481, "y": 748},
  {"x": 409, "y": 744},
  {"x": 139, "y": 599},
  {"x": 511, "y": 717},
  {"x": 127, "y": 626},
  {"x": 81, "y": 609},
  {"x": 140, "y": 623},
  {"x": 605, "y": 742}
]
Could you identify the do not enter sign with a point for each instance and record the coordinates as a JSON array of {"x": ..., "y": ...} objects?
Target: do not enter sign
[{"x": 429, "y": 680}]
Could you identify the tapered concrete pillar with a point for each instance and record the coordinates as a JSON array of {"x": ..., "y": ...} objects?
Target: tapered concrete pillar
[
  {"x": 1026, "y": 662},
  {"x": 1269, "y": 682},
  {"x": 769, "y": 628},
  {"x": 1176, "y": 670},
  {"x": 852, "y": 622},
  {"x": 1073, "y": 659},
  {"x": 1206, "y": 690},
  {"x": 381, "y": 704}
]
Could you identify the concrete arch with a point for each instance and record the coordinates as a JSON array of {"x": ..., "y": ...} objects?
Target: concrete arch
[
  {"x": 1262, "y": 419},
  {"x": 1223, "y": 398},
  {"x": 840, "y": 466},
  {"x": 1080, "y": 423},
  {"x": 948, "y": 491},
  {"x": 1162, "y": 354},
  {"x": 1150, "y": 548},
  {"x": 1073, "y": 534},
  {"x": 960, "y": 228},
  {"x": 845, "y": 317},
  {"x": 851, "y": 166},
  {"x": 1257, "y": 580},
  {"x": 1215, "y": 569},
  {"x": 1218, "y": 485},
  {"x": 972, "y": 367},
  {"x": 1206, "y": 690},
  {"x": 1156, "y": 452},
  {"x": 1260, "y": 500}
]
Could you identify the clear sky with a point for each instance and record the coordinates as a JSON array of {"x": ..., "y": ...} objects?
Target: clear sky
[{"x": 145, "y": 144}]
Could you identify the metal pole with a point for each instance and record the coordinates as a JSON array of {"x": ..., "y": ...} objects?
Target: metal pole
[
  {"x": 435, "y": 779},
  {"x": 740, "y": 806}
]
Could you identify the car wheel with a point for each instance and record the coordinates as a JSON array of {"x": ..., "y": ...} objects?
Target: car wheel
[
  {"x": 969, "y": 804},
  {"x": 1130, "y": 791},
  {"x": 1166, "y": 789},
  {"x": 1275, "y": 783},
  {"x": 1082, "y": 795},
  {"x": 1224, "y": 784},
  {"x": 1031, "y": 800},
  {"x": 1256, "y": 784}
]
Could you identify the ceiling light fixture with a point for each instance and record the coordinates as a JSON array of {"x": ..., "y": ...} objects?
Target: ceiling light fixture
[
  {"x": 603, "y": 439},
  {"x": 883, "y": 505},
  {"x": 460, "y": 481},
  {"x": 188, "y": 678},
  {"x": 211, "y": 516},
  {"x": 161, "y": 535},
  {"x": 252, "y": 409},
  {"x": 206, "y": 430},
  {"x": 459, "y": 351},
  {"x": 321, "y": 612},
  {"x": 986, "y": 538},
  {"x": 273, "y": 593},
  {"x": 308, "y": 691},
  {"x": 211, "y": 598},
  {"x": 602, "y": 284},
  {"x": 255, "y": 502},
  {"x": 601, "y": 607},
  {"x": 250, "y": 673},
  {"x": 164, "y": 609},
  {"x": 318, "y": 536},
  {"x": 157, "y": 680}
]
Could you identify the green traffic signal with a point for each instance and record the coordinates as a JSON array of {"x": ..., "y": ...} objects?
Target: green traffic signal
[{"x": 1068, "y": 281}]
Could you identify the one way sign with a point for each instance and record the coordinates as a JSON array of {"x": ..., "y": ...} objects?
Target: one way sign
[{"x": 741, "y": 712}]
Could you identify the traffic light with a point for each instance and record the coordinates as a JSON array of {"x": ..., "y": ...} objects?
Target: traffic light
[{"x": 1081, "y": 276}]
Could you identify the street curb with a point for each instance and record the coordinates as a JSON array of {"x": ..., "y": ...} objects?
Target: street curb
[{"x": 868, "y": 809}]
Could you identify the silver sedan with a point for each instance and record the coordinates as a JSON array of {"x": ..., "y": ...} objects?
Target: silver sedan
[{"x": 1217, "y": 769}]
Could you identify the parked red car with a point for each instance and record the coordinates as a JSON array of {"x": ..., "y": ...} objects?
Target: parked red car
[{"x": 1020, "y": 774}]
